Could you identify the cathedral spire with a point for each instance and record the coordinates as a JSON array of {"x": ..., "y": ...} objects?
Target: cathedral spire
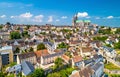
[{"x": 74, "y": 20}]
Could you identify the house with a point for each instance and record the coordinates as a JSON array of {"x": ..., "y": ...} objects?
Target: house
[
  {"x": 59, "y": 41},
  {"x": 98, "y": 69},
  {"x": 74, "y": 43},
  {"x": 75, "y": 74},
  {"x": 93, "y": 70},
  {"x": 87, "y": 51},
  {"x": 109, "y": 52},
  {"x": 40, "y": 53},
  {"x": 47, "y": 59},
  {"x": 15, "y": 69},
  {"x": 5, "y": 35},
  {"x": 6, "y": 55},
  {"x": 97, "y": 58},
  {"x": 66, "y": 58},
  {"x": 86, "y": 72},
  {"x": 51, "y": 47},
  {"x": 88, "y": 62},
  {"x": 30, "y": 57},
  {"x": 77, "y": 61},
  {"x": 27, "y": 68}
]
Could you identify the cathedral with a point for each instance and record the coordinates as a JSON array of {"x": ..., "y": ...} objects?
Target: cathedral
[{"x": 77, "y": 22}]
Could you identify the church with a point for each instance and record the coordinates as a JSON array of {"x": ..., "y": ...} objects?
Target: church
[{"x": 77, "y": 22}]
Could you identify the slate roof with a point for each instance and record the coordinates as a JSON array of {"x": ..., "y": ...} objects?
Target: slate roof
[
  {"x": 96, "y": 66},
  {"x": 26, "y": 55},
  {"x": 27, "y": 68},
  {"x": 50, "y": 44}
]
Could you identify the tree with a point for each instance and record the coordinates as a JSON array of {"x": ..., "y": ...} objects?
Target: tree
[
  {"x": 41, "y": 46},
  {"x": 1, "y": 74},
  {"x": 62, "y": 73},
  {"x": 58, "y": 62},
  {"x": 117, "y": 31},
  {"x": 38, "y": 73},
  {"x": 7, "y": 23},
  {"x": 62, "y": 45},
  {"x": 17, "y": 50},
  {"x": 25, "y": 34},
  {"x": 103, "y": 38},
  {"x": 43, "y": 33},
  {"x": 12, "y": 64},
  {"x": 117, "y": 45},
  {"x": 27, "y": 27},
  {"x": 54, "y": 75},
  {"x": 1, "y": 26},
  {"x": 31, "y": 49},
  {"x": 15, "y": 35}
]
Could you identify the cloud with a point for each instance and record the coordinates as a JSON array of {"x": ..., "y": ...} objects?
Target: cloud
[
  {"x": 82, "y": 14},
  {"x": 26, "y": 15},
  {"x": 38, "y": 18},
  {"x": 57, "y": 20},
  {"x": 50, "y": 19},
  {"x": 6, "y": 4},
  {"x": 110, "y": 17},
  {"x": 97, "y": 18},
  {"x": 64, "y": 17},
  {"x": 13, "y": 16},
  {"x": 88, "y": 17},
  {"x": 2, "y": 16}
]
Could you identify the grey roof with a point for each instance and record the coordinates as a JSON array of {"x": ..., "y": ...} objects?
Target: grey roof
[
  {"x": 88, "y": 61},
  {"x": 50, "y": 44},
  {"x": 27, "y": 68},
  {"x": 96, "y": 66},
  {"x": 16, "y": 43},
  {"x": 108, "y": 48}
]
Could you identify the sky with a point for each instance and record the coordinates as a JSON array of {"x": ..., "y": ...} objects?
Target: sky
[{"x": 60, "y": 12}]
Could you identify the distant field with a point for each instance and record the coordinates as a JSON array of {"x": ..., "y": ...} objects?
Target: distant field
[
  {"x": 111, "y": 66},
  {"x": 118, "y": 51}
]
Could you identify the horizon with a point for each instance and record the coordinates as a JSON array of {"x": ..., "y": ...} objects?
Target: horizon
[{"x": 60, "y": 12}]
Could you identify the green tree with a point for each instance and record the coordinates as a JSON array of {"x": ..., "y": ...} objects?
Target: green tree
[
  {"x": 1, "y": 26},
  {"x": 117, "y": 45},
  {"x": 62, "y": 73},
  {"x": 12, "y": 64},
  {"x": 117, "y": 31},
  {"x": 1, "y": 74},
  {"x": 7, "y": 23},
  {"x": 62, "y": 45},
  {"x": 103, "y": 38},
  {"x": 31, "y": 49},
  {"x": 41, "y": 46},
  {"x": 25, "y": 34},
  {"x": 15, "y": 35},
  {"x": 58, "y": 63},
  {"x": 43, "y": 33},
  {"x": 54, "y": 75},
  {"x": 17, "y": 50},
  {"x": 102, "y": 26},
  {"x": 38, "y": 73},
  {"x": 27, "y": 27}
]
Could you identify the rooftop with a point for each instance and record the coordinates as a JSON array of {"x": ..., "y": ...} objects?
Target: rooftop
[
  {"x": 41, "y": 53},
  {"x": 77, "y": 59}
]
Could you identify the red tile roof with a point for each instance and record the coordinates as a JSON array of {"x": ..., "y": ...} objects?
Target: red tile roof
[
  {"x": 77, "y": 59},
  {"x": 41, "y": 53},
  {"x": 65, "y": 57}
]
